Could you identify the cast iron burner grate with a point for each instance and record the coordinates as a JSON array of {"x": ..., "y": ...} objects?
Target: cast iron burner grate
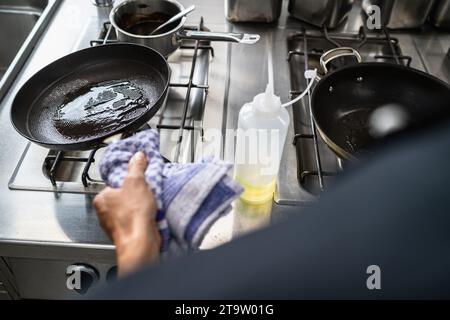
[{"x": 305, "y": 50}]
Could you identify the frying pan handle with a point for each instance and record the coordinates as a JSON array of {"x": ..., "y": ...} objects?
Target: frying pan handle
[
  {"x": 336, "y": 53},
  {"x": 114, "y": 138},
  {"x": 118, "y": 137}
]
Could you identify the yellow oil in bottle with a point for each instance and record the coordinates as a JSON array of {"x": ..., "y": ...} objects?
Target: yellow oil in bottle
[{"x": 257, "y": 194}]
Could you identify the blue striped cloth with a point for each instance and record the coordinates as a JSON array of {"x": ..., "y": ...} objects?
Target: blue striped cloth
[{"x": 190, "y": 197}]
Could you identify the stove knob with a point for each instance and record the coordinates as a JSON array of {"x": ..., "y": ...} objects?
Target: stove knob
[
  {"x": 81, "y": 277},
  {"x": 111, "y": 275}
]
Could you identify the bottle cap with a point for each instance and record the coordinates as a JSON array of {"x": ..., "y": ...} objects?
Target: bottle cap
[{"x": 267, "y": 102}]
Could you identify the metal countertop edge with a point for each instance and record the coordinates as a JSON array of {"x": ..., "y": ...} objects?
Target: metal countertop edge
[{"x": 56, "y": 250}]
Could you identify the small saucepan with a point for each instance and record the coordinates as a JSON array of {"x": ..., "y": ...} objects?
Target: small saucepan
[{"x": 134, "y": 20}]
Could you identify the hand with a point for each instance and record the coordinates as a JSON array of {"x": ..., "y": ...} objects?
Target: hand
[{"x": 128, "y": 217}]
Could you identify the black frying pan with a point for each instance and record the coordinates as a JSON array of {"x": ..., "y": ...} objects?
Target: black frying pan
[
  {"x": 344, "y": 101},
  {"x": 78, "y": 101}
]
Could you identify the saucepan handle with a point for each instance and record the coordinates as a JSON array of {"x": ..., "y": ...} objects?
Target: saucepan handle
[
  {"x": 336, "y": 53},
  {"x": 219, "y": 36}
]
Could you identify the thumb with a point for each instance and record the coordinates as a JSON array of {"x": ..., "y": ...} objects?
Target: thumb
[{"x": 137, "y": 164}]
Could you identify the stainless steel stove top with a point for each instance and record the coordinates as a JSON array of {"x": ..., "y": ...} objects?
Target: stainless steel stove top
[
  {"x": 179, "y": 122},
  {"x": 423, "y": 49},
  {"x": 64, "y": 226}
]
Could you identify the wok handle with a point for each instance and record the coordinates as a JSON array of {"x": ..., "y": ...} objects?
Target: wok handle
[{"x": 336, "y": 53}]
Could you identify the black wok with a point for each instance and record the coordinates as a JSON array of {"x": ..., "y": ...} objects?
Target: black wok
[
  {"x": 78, "y": 101},
  {"x": 344, "y": 101}
]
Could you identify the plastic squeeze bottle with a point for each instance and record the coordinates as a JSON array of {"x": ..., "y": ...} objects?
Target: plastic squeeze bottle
[{"x": 261, "y": 134}]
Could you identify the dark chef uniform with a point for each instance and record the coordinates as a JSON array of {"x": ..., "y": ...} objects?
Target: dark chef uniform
[{"x": 382, "y": 232}]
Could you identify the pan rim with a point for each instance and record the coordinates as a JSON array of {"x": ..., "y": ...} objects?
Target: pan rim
[
  {"x": 338, "y": 150},
  {"x": 384, "y": 64},
  {"x": 75, "y": 145}
]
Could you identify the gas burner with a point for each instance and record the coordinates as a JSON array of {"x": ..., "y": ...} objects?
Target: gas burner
[
  {"x": 316, "y": 164},
  {"x": 179, "y": 123}
]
